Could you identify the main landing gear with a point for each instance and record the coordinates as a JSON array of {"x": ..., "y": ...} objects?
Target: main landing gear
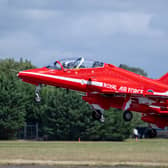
[
  {"x": 127, "y": 115},
  {"x": 97, "y": 113},
  {"x": 37, "y": 97}
]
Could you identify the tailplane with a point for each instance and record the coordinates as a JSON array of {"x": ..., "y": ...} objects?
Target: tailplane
[{"x": 164, "y": 79}]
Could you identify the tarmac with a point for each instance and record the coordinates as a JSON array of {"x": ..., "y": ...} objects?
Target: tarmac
[
  {"x": 39, "y": 166},
  {"x": 43, "y": 166}
]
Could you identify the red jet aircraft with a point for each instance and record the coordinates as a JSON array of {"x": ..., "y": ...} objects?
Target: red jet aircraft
[{"x": 106, "y": 86}]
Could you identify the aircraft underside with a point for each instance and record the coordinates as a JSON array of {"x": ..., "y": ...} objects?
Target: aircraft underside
[
  {"x": 151, "y": 113},
  {"x": 151, "y": 110}
]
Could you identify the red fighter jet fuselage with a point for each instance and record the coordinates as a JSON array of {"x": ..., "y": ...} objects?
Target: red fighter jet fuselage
[{"x": 106, "y": 86}]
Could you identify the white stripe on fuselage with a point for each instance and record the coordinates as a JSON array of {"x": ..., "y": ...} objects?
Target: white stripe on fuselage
[
  {"x": 81, "y": 81},
  {"x": 161, "y": 93}
]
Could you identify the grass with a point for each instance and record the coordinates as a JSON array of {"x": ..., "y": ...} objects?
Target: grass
[{"x": 143, "y": 152}]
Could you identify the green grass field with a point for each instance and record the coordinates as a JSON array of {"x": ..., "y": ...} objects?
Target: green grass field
[{"x": 143, "y": 152}]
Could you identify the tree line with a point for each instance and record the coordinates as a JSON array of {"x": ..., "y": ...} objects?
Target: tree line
[{"x": 60, "y": 116}]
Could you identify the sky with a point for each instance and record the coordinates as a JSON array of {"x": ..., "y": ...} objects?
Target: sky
[{"x": 132, "y": 32}]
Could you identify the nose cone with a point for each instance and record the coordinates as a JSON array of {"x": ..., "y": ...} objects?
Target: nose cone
[
  {"x": 23, "y": 74},
  {"x": 19, "y": 75},
  {"x": 31, "y": 76},
  {"x": 31, "y": 73}
]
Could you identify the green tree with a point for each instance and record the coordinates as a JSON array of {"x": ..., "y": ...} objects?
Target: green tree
[
  {"x": 12, "y": 98},
  {"x": 65, "y": 116}
]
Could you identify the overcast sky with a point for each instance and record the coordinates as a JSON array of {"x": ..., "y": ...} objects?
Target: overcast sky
[{"x": 132, "y": 32}]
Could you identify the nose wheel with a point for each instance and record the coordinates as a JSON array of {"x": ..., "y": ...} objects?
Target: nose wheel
[{"x": 37, "y": 97}]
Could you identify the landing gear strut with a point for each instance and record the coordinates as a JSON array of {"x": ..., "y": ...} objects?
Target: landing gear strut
[
  {"x": 37, "y": 94},
  {"x": 127, "y": 115}
]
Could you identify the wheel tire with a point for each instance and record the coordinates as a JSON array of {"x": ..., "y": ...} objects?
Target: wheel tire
[
  {"x": 96, "y": 114},
  {"x": 127, "y": 116},
  {"x": 152, "y": 133},
  {"x": 37, "y": 98}
]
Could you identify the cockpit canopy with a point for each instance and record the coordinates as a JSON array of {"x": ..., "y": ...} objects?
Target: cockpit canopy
[{"x": 75, "y": 64}]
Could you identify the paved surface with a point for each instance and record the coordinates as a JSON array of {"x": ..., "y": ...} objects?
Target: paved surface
[{"x": 38, "y": 166}]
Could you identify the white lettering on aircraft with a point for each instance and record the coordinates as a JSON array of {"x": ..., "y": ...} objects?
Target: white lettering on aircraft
[
  {"x": 130, "y": 90},
  {"x": 123, "y": 89},
  {"x": 110, "y": 86}
]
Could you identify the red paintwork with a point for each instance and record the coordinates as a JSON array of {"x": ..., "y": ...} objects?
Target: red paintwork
[{"x": 110, "y": 86}]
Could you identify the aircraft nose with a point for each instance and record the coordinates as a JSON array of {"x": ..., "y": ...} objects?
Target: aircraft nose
[
  {"x": 30, "y": 73},
  {"x": 19, "y": 75}
]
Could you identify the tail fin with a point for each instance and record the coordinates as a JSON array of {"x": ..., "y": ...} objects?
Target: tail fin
[{"x": 164, "y": 79}]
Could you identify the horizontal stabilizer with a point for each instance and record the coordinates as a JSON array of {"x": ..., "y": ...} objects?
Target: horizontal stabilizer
[{"x": 164, "y": 79}]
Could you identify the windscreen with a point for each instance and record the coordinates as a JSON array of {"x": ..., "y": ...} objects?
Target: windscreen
[{"x": 76, "y": 64}]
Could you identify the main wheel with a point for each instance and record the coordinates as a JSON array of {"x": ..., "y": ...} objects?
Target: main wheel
[
  {"x": 127, "y": 115},
  {"x": 96, "y": 114},
  {"x": 152, "y": 133}
]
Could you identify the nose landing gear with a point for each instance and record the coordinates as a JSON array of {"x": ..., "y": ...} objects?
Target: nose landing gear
[{"x": 37, "y": 94}]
